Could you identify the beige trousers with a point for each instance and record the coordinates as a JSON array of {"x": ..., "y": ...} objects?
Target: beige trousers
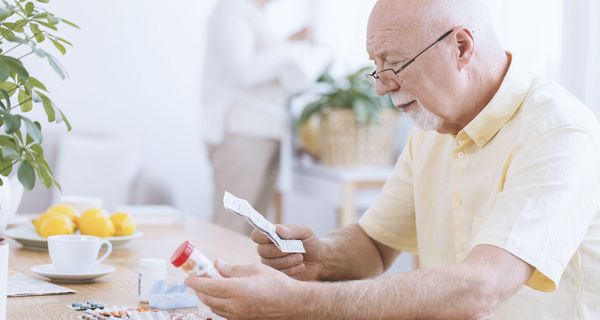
[{"x": 248, "y": 168}]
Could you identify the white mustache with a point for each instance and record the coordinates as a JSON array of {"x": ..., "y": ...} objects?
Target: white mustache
[{"x": 399, "y": 99}]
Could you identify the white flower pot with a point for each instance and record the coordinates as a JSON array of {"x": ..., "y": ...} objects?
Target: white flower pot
[
  {"x": 3, "y": 277},
  {"x": 10, "y": 199}
]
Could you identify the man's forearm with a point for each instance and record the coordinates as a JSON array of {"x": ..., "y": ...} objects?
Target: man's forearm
[
  {"x": 350, "y": 254},
  {"x": 436, "y": 293}
]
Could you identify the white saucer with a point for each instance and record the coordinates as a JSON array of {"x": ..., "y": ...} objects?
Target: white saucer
[
  {"x": 49, "y": 271},
  {"x": 26, "y": 236}
]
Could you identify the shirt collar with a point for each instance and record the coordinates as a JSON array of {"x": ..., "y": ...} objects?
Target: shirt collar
[{"x": 501, "y": 108}]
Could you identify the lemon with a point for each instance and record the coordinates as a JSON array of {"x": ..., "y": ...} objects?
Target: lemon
[
  {"x": 64, "y": 209},
  {"x": 95, "y": 212},
  {"x": 124, "y": 224},
  {"x": 56, "y": 225},
  {"x": 37, "y": 222},
  {"x": 99, "y": 226}
]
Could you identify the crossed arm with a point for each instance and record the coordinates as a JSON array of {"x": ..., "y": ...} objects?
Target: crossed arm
[{"x": 471, "y": 289}]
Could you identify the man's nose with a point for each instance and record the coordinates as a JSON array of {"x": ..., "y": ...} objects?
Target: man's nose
[{"x": 385, "y": 86}]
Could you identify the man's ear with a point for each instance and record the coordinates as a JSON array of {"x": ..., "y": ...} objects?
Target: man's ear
[{"x": 465, "y": 44}]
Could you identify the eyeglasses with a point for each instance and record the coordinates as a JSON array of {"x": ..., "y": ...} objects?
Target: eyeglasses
[{"x": 375, "y": 75}]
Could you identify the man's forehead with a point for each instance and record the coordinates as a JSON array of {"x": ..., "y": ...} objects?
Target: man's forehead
[
  {"x": 389, "y": 40},
  {"x": 390, "y": 27}
]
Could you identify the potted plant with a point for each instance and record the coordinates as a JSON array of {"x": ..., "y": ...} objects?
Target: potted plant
[
  {"x": 347, "y": 123},
  {"x": 27, "y": 29}
]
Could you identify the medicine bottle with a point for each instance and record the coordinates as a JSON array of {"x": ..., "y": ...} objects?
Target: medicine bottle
[
  {"x": 150, "y": 271},
  {"x": 192, "y": 261}
]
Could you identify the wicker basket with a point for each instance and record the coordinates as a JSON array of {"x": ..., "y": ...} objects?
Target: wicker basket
[{"x": 345, "y": 142}]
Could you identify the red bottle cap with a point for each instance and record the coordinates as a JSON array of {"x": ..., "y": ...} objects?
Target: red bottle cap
[{"x": 182, "y": 253}]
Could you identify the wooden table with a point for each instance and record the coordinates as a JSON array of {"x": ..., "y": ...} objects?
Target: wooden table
[{"x": 120, "y": 287}]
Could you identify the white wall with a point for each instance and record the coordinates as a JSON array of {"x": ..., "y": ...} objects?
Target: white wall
[
  {"x": 532, "y": 30},
  {"x": 135, "y": 72}
]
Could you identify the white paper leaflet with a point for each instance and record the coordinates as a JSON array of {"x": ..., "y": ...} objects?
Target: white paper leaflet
[{"x": 244, "y": 209}]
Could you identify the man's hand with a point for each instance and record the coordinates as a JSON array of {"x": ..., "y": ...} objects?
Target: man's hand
[
  {"x": 299, "y": 266},
  {"x": 249, "y": 292}
]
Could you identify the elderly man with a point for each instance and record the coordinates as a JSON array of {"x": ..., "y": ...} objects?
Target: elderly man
[{"x": 499, "y": 194}]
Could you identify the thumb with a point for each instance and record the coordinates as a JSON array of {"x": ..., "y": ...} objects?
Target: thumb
[
  {"x": 299, "y": 232},
  {"x": 235, "y": 271}
]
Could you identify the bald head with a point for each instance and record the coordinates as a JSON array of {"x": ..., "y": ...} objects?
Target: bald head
[
  {"x": 427, "y": 19},
  {"x": 450, "y": 75}
]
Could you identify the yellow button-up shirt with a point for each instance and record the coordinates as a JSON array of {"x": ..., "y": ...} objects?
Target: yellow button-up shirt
[{"x": 524, "y": 175}]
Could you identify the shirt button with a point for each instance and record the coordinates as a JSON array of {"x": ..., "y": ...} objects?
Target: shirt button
[
  {"x": 460, "y": 155},
  {"x": 481, "y": 141}
]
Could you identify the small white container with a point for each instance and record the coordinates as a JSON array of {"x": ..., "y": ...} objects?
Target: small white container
[{"x": 150, "y": 271}]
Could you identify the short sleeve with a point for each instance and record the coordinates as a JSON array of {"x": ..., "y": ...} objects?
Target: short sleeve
[
  {"x": 391, "y": 218},
  {"x": 548, "y": 201}
]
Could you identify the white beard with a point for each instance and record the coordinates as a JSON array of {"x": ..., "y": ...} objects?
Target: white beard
[{"x": 425, "y": 119}]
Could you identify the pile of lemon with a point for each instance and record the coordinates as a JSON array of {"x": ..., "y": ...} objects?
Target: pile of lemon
[{"x": 62, "y": 219}]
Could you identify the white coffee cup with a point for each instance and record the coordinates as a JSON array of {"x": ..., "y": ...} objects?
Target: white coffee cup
[{"x": 76, "y": 253}]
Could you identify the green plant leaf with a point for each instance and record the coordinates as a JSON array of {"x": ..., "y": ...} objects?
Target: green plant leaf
[
  {"x": 63, "y": 41},
  {"x": 43, "y": 174},
  {"x": 59, "y": 46},
  {"x": 5, "y": 13},
  {"x": 6, "y": 168},
  {"x": 69, "y": 23},
  {"x": 15, "y": 65},
  {"x": 46, "y": 24},
  {"x": 25, "y": 101},
  {"x": 36, "y": 83},
  {"x": 37, "y": 33},
  {"x": 4, "y": 71},
  {"x": 39, "y": 52},
  {"x": 8, "y": 87},
  {"x": 52, "y": 18},
  {"x": 63, "y": 118},
  {"x": 6, "y": 33},
  {"x": 48, "y": 107},
  {"x": 43, "y": 1},
  {"x": 6, "y": 97},
  {"x": 9, "y": 152},
  {"x": 12, "y": 123},
  {"x": 33, "y": 131},
  {"x": 56, "y": 66},
  {"x": 19, "y": 25},
  {"x": 42, "y": 168},
  {"x": 29, "y": 7},
  {"x": 26, "y": 175}
]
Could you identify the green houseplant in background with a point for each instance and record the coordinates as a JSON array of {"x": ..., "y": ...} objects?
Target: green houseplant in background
[
  {"x": 347, "y": 123},
  {"x": 351, "y": 92},
  {"x": 26, "y": 30}
]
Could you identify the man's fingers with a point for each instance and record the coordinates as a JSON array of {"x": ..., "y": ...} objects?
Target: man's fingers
[
  {"x": 294, "y": 231},
  {"x": 216, "y": 305},
  {"x": 259, "y": 237},
  {"x": 286, "y": 262},
  {"x": 270, "y": 251},
  {"x": 236, "y": 271},
  {"x": 213, "y": 287},
  {"x": 295, "y": 270}
]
